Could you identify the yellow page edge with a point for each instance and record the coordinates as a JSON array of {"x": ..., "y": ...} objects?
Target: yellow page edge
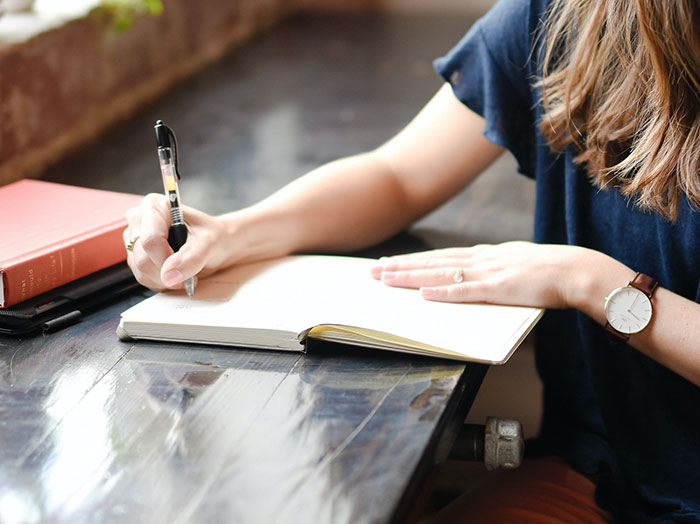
[
  {"x": 384, "y": 340},
  {"x": 396, "y": 343}
]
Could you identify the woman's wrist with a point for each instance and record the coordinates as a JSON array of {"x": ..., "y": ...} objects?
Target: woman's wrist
[
  {"x": 594, "y": 276},
  {"x": 255, "y": 234}
]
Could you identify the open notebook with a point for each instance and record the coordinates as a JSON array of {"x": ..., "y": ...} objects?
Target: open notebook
[{"x": 278, "y": 304}]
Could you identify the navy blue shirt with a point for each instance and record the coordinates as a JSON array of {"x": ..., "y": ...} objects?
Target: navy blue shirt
[{"x": 609, "y": 410}]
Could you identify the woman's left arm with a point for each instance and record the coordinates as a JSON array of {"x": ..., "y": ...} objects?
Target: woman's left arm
[{"x": 554, "y": 277}]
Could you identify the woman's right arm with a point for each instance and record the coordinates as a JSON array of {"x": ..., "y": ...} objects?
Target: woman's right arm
[{"x": 345, "y": 205}]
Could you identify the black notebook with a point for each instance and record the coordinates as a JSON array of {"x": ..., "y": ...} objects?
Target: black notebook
[{"x": 67, "y": 304}]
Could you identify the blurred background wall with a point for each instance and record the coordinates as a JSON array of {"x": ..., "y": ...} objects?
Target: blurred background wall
[
  {"x": 425, "y": 6},
  {"x": 65, "y": 78},
  {"x": 464, "y": 6},
  {"x": 442, "y": 5}
]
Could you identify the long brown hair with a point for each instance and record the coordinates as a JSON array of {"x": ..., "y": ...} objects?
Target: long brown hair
[{"x": 621, "y": 81}]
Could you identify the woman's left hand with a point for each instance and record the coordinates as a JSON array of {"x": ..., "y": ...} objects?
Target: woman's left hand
[{"x": 512, "y": 273}]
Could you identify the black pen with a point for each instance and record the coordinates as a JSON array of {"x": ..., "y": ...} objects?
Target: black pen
[{"x": 167, "y": 156}]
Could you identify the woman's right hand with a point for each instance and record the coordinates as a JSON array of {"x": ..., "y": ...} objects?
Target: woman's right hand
[{"x": 152, "y": 260}]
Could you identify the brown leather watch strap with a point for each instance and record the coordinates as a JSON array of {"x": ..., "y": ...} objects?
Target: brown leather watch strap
[
  {"x": 615, "y": 335},
  {"x": 645, "y": 284}
]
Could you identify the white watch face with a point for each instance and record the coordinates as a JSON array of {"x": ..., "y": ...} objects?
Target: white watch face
[{"x": 628, "y": 310}]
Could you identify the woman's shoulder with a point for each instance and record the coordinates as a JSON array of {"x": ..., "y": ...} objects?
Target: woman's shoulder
[
  {"x": 510, "y": 30},
  {"x": 520, "y": 15},
  {"x": 524, "y": 8}
]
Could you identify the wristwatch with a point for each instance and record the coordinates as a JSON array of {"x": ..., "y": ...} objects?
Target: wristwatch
[{"x": 628, "y": 309}]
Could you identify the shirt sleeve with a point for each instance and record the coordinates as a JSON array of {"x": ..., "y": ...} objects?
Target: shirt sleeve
[{"x": 491, "y": 72}]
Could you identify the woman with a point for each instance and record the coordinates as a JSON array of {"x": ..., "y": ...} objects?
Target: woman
[{"x": 599, "y": 102}]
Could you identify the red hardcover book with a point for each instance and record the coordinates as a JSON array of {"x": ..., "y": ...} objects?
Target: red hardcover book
[{"x": 52, "y": 234}]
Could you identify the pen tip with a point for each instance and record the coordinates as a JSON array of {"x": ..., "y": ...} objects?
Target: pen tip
[{"x": 189, "y": 287}]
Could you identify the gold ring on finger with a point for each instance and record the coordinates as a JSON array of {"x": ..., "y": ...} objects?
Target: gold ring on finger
[{"x": 130, "y": 243}]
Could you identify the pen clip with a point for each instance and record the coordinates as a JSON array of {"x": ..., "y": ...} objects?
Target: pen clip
[{"x": 172, "y": 135}]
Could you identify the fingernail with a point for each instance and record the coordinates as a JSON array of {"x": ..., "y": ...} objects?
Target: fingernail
[
  {"x": 172, "y": 277},
  {"x": 388, "y": 276}
]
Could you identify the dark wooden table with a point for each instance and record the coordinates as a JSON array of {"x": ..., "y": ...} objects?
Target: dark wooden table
[{"x": 96, "y": 430}]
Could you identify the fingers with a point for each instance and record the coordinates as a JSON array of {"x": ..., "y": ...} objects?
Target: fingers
[
  {"x": 480, "y": 291},
  {"x": 202, "y": 251},
  {"x": 146, "y": 273},
  {"x": 417, "y": 278},
  {"x": 437, "y": 254},
  {"x": 446, "y": 275},
  {"x": 152, "y": 259},
  {"x": 155, "y": 222},
  {"x": 410, "y": 264},
  {"x": 437, "y": 258},
  {"x": 450, "y": 252},
  {"x": 186, "y": 263},
  {"x": 149, "y": 223},
  {"x": 447, "y": 284},
  {"x": 516, "y": 273}
]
